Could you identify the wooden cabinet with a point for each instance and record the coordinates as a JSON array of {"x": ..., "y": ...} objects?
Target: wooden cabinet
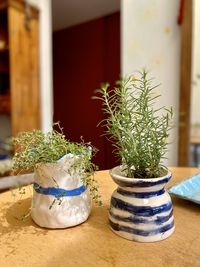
[{"x": 19, "y": 66}]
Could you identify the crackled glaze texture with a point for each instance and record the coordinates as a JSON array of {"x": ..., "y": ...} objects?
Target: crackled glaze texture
[
  {"x": 141, "y": 209},
  {"x": 55, "y": 182}
]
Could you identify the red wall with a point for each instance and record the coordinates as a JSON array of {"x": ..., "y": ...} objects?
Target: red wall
[{"x": 84, "y": 56}]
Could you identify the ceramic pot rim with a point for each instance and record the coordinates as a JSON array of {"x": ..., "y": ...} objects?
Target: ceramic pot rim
[
  {"x": 114, "y": 172},
  {"x": 66, "y": 158}
]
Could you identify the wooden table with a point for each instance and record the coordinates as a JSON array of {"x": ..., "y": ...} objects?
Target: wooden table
[{"x": 22, "y": 243}]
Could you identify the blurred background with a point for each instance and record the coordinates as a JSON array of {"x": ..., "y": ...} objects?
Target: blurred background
[{"x": 54, "y": 54}]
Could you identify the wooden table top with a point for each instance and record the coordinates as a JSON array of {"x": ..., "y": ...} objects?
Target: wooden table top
[
  {"x": 195, "y": 140},
  {"x": 195, "y": 135},
  {"x": 22, "y": 243}
]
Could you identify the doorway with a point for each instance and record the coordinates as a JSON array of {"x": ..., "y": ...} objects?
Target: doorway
[{"x": 84, "y": 56}]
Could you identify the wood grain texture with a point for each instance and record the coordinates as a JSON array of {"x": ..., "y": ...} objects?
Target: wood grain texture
[
  {"x": 24, "y": 72},
  {"x": 185, "y": 85},
  {"x": 92, "y": 243},
  {"x": 18, "y": 4}
]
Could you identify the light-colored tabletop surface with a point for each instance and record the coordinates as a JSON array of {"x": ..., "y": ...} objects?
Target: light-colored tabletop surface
[
  {"x": 22, "y": 243},
  {"x": 195, "y": 135},
  {"x": 195, "y": 140}
]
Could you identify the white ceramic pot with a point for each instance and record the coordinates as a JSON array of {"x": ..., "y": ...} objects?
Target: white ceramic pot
[
  {"x": 141, "y": 209},
  {"x": 59, "y": 183}
]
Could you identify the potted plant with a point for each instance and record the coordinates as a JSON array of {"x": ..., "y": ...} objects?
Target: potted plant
[
  {"x": 140, "y": 208},
  {"x": 63, "y": 180}
]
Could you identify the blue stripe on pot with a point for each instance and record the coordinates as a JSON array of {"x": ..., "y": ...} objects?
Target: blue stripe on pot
[
  {"x": 140, "y": 194},
  {"x": 140, "y": 210},
  {"x": 141, "y": 183},
  {"x": 140, "y": 232},
  {"x": 58, "y": 192},
  {"x": 138, "y": 220}
]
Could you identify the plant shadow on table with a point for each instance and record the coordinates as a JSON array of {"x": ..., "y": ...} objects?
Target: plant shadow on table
[
  {"x": 99, "y": 218},
  {"x": 12, "y": 226}
]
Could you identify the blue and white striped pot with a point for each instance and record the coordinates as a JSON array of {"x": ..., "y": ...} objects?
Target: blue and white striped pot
[{"x": 141, "y": 209}]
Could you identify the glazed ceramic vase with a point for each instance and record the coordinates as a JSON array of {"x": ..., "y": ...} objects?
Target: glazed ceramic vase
[
  {"x": 60, "y": 199},
  {"x": 141, "y": 209}
]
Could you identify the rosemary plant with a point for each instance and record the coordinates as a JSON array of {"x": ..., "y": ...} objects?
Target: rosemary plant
[
  {"x": 36, "y": 147},
  {"x": 137, "y": 129}
]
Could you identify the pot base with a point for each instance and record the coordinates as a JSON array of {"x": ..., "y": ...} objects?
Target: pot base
[
  {"x": 55, "y": 225},
  {"x": 144, "y": 239}
]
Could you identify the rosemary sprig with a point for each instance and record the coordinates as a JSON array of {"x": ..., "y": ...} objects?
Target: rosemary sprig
[{"x": 138, "y": 130}]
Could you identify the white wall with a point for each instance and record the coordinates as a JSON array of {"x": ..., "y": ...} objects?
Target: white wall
[
  {"x": 46, "y": 76},
  {"x": 195, "y": 89},
  {"x": 151, "y": 39}
]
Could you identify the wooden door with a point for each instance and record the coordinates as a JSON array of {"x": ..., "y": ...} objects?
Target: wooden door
[
  {"x": 84, "y": 56},
  {"x": 185, "y": 84},
  {"x": 24, "y": 72}
]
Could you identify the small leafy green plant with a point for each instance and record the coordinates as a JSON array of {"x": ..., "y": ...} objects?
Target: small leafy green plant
[
  {"x": 36, "y": 147},
  {"x": 138, "y": 129}
]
